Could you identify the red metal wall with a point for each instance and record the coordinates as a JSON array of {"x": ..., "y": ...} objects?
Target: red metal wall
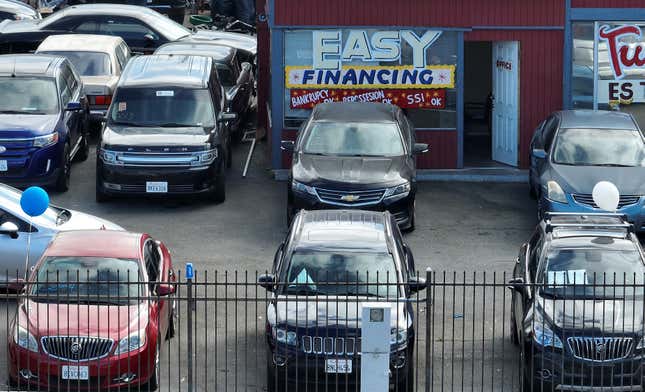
[
  {"x": 436, "y": 13},
  {"x": 607, "y": 4},
  {"x": 540, "y": 76}
]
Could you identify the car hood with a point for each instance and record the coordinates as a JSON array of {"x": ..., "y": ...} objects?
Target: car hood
[
  {"x": 99, "y": 85},
  {"x": 13, "y": 26},
  {"x": 328, "y": 312},
  {"x": 82, "y": 221},
  {"x": 238, "y": 41},
  {"x": 608, "y": 316},
  {"x": 61, "y": 319},
  {"x": 27, "y": 125},
  {"x": 194, "y": 138},
  {"x": 582, "y": 179},
  {"x": 317, "y": 170}
]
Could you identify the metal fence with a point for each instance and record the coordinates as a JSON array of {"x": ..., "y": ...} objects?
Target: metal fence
[{"x": 229, "y": 333}]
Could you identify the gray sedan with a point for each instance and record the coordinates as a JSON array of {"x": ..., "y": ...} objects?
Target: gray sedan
[{"x": 15, "y": 229}]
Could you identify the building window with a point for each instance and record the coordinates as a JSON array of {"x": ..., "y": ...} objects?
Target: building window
[{"x": 386, "y": 65}]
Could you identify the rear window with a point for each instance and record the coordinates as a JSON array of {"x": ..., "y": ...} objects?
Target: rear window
[{"x": 87, "y": 63}]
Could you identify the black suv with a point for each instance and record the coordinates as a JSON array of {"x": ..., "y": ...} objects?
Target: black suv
[
  {"x": 165, "y": 132},
  {"x": 355, "y": 155},
  {"x": 329, "y": 264},
  {"x": 578, "y": 304}
]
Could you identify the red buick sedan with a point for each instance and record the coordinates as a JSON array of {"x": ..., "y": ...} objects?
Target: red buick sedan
[{"x": 96, "y": 308}]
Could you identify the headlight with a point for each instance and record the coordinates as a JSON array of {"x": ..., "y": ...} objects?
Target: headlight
[
  {"x": 300, "y": 187},
  {"x": 133, "y": 342},
  {"x": 205, "y": 157},
  {"x": 543, "y": 336},
  {"x": 108, "y": 156},
  {"x": 284, "y": 336},
  {"x": 555, "y": 193},
  {"x": 402, "y": 189},
  {"x": 25, "y": 340},
  {"x": 398, "y": 336},
  {"x": 47, "y": 140}
]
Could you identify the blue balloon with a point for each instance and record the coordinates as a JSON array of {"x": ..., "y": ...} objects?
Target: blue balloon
[{"x": 34, "y": 201}]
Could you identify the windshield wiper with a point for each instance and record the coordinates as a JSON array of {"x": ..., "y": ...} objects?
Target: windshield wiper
[
  {"x": 612, "y": 165},
  {"x": 303, "y": 290},
  {"x": 129, "y": 123},
  {"x": 21, "y": 112},
  {"x": 176, "y": 125}
]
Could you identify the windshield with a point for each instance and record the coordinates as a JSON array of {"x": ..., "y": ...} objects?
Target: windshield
[
  {"x": 599, "y": 147},
  {"x": 353, "y": 139},
  {"x": 592, "y": 272},
  {"x": 88, "y": 280},
  {"x": 347, "y": 273},
  {"x": 162, "y": 107},
  {"x": 87, "y": 63},
  {"x": 172, "y": 30},
  {"x": 28, "y": 96}
]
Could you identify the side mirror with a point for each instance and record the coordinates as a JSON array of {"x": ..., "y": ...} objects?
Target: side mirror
[
  {"x": 287, "y": 145},
  {"x": 420, "y": 148},
  {"x": 267, "y": 281},
  {"x": 149, "y": 38},
  {"x": 227, "y": 116},
  {"x": 539, "y": 153},
  {"x": 10, "y": 229},
  {"x": 518, "y": 285},
  {"x": 74, "y": 107},
  {"x": 416, "y": 284},
  {"x": 164, "y": 290}
]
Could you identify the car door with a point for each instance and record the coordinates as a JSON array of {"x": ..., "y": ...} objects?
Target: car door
[
  {"x": 140, "y": 37},
  {"x": 526, "y": 269},
  {"x": 158, "y": 305},
  {"x": 542, "y": 140},
  {"x": 73, "y": 118},
  {"x": 14, "y": 250}
]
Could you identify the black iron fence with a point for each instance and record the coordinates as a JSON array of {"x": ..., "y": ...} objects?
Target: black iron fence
[{"x": 232, "y": 331}]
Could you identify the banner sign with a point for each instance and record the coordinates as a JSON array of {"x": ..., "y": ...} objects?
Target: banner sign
[
  {"x": 623, "y": 92},
  {"x": 626, "y": 51},
  {"x": 412, "y": 99},
  {"x": 371, "y": 77}
]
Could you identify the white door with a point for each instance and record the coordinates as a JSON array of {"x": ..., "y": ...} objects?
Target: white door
[{"x": 506, "y": 82}]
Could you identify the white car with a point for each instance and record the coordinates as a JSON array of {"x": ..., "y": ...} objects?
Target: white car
[{"x": 15, "y": 230}]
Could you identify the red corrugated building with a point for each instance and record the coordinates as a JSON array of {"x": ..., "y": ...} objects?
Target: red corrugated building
[{"x": 475, "y": 77}]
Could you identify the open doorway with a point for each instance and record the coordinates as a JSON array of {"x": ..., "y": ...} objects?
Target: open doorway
[{"x": 478, "y": 87}]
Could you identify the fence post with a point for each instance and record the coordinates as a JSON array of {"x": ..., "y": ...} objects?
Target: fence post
[
  {"x": 190, "y": 274},
  {"x": 429, "y": 362}
]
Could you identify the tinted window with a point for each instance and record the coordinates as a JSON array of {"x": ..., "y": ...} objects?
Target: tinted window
[
  {"x": 335, "y": 273},
  {"x": 351, "y": 139},
  {"x": 87, "y": 63},
  {"x": 226, "y": 75},
  {"x": 87, "y": 27},
  {"x": 599, "y": 147},
  {"x": 88, "y": 279},
  {"x": 28, "y": 95},
  {"x": 548, "y": 132},
  {"x": 6, "y": 15},
  {"x": 163, "y": 106}
]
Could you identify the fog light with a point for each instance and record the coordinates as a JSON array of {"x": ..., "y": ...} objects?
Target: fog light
[
  {"x": 399, "y": 360},
  {"x": 126, "y": 377},
  {"x": 114, "y": 187},
  {"x": 27, "y": 374},
  {"x": 544, "y": 374},
  {"x": 279, "y": 360}
]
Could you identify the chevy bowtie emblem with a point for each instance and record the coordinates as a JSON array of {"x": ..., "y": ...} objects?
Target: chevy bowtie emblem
[
  {"x": 350, "y": 198},
  {"x": 3, "y": 149}
]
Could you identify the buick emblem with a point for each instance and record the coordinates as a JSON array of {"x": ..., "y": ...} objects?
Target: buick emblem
[
  {"x": 601, "y": 350},
  {"x": 76, "y": 347},
  {"x": 350, "y": 198},
  {"x": 3, "y": 149}
]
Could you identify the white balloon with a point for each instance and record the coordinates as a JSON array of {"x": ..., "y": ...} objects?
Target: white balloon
[{"x": 606, "y": 196}]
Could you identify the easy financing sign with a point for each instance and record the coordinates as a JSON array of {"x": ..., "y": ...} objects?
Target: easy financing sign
[{"x": 335, "y": 76}]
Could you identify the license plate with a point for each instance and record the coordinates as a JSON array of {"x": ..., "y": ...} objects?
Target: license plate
[
  {"x": 3, "y": 166},
  {"x": 156, "y": 187},
  {"x": 338, "y": 366},
  {"x": 75, "y": 373}
]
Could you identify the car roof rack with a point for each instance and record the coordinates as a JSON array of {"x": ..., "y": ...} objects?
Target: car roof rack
[{"x": 586, "y": 221}]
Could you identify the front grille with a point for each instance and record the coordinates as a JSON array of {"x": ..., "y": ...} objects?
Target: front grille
[
  {"x": 157, "y": 159},
  {"x": 350, "y": 198},
  {"x": 601, "y": 348},
  {"x": 17, "y": 154},
  {"x": 141, "y": 188},
  {"x": 623, "y": 201},
  {"x": 331, "y": 345},
  {"x": 77, "y": 348}
]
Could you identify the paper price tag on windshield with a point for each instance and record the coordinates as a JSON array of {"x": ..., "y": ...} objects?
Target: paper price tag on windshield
[
  {"x": 561, "y": 278},
  {"x": 577, "y": 276},
  {"x": 122, "y": 106},
  {"x": 165, "y": 93}
]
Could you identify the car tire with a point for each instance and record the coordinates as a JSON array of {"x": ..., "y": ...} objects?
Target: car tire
[
  {"x": 290, "y": 214},
  {"x": 271, "y": 370},
  {"x": 413, "y": 217},
  {"x": 101, "y": 197},
  {"x": 170, "y": 333},
  {"x": 219, "y": 194},
  {"x": 532, "y": 192},
  {"x": 63, "y": 180},
  {"x": 514, "y": 337},
  {"x": 229, "y": 156},
  {"x": 153, "y": 381},
  {"x": 406, "y": 383},
  {"x": 84, "y": 149}
]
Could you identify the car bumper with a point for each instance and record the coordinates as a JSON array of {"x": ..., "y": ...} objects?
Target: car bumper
[
  {"x": 97, "y": 115},
  {"x": 555, "y": 371},
  {"x": 399, "y": 206},
  {"x": 121, "y": 180},
  {"x": 635, "y": 212},
  {"x": 39, "y": 167},
  {"x": 104, "y": 373}
]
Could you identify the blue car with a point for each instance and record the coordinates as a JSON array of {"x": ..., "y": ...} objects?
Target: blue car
[
  {"x": 43, "y": 120},
  {"x": 571, "y": 151}
]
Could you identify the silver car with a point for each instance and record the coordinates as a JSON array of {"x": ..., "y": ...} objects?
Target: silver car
[
  {"x": 15, "y": 229},
  {"x": 99, "y": 59}
]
